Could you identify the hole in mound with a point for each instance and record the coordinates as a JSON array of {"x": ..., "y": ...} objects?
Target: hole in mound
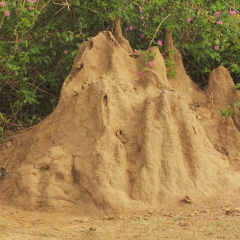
[
  {"x": 59, "y": 175},
  {"x": 222, "y": 149},
  {"x": 80, "y": 66},
  {"x": 75, "y": 174},
  {"x": 85, "y": 85},
  {"x": 45, "y": 168},
  {"x": 105, "y": 100},
  {"x": 120, "y": 135}
]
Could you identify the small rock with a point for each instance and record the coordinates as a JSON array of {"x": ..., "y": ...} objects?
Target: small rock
[
  {"x": 92, "y": 229},
  {"x": 187, "y": 199},
  {"x": 237, "y": 209},
  {"x": 81, "y": 220},
  {"x": 182, "y": 224},
  {"x": 193, "y": 214},
  {"x": 166, "y": 214},
  {"x": 8, "y": 144},
  {"x": 228, "y": 212}
]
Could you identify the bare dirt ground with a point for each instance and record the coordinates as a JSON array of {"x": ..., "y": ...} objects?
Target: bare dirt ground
[{"x": 216, "y": 218}]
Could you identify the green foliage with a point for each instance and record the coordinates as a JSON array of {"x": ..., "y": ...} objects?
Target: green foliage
[
  {"x": 204, "y": 39},
  {"x": 3, "y": 122},
  {"x": 227, "y": 112},
  {"x": 147, "y": 58},
  {"x": 171, "y": 71},
  {"x": 238, "y": 105},
  {"x": 170, "y": 64},
  {"x": 39, "y": 40},
  {"x": 237, "y": 86}
]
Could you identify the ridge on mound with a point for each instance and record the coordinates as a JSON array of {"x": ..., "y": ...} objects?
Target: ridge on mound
[{"x": 117, "y": 142}]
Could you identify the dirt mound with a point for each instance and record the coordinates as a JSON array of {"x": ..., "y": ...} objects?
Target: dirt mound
[{"x": 120, "y": 143}]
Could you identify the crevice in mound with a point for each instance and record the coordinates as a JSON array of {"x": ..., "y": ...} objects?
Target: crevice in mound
[
  {"x": 112, "y": 40},
  {"x": 105, "y": 100},
  {"x": 75, "y": 173}
]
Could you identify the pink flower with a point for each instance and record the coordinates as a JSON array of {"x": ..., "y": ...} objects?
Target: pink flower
[
  {"x": 140, "y": 10},
  {"x": 65, "y": 52},
  {"x": 219, "y": 22},
  {"x": 139, "y": 74},
  {"x": 131, "y": 28},
  {"x": 217, "y": 14},
  {"x": 32, "y": 1},
  {"x": 216, "y": 47},
  {"x": 7, "y": 13},
  {"x": 150, "y": 64},
  {"x": 31, "y": 8},
  {"x": 189, "y": 20},
  {"x": 136, "y": 52},
  {"x": 2, "y": 4},
  {"x": 233, "y": 12},
  {"x": 142, "y": 35},
  {"x": 160, "y": 42},
  {"x": 142, "y": 17}
]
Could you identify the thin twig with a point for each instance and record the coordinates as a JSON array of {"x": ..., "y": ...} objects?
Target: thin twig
[
  {"x": 229, "y": 5},
  {"x": 194, "y": 64},
  {"x": 9, "y": 84},
  {"x": 63, "y": 4},
  {"x": 41, "y": 90},
  {"x": 130, "y": 4},
  {"x": 2, "y": 21},
  {"x": 157, "y": 30},
  {"x": 15, "y": 114},
  {"x": 38, "y": 15},
  {"x": 8, "y": 160},
  {"x": 59, "y": 10}
]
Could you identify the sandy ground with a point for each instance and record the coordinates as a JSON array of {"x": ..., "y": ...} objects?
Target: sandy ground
[{"x": 216, "y": 218}]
